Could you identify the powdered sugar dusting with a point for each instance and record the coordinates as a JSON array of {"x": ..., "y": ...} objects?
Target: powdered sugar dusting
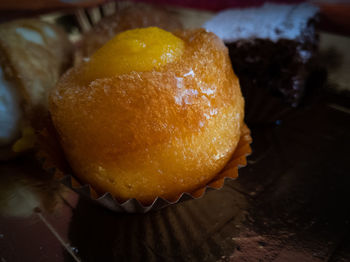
[{"x": 271, "y": 21}]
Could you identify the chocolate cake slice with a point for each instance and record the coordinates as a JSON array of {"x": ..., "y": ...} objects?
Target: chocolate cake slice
[{"x": 270, "y": 47}]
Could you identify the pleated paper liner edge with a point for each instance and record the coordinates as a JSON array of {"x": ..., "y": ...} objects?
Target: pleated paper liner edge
[{"x": 52, "y": 158}]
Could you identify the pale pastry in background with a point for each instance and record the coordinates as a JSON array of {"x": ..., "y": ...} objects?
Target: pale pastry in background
[{"x": 33, "y": 55}]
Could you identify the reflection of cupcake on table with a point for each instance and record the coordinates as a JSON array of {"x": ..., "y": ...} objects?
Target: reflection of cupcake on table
[
  {"x": 150, "y": 114},
  {"x": 272, "y": 49},
  {"x": 191, "y": 230}
]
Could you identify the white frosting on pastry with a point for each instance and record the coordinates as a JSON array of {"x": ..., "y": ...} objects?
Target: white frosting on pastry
[
  {"x": 10, "y": 111},
  {"x": 30, "y": 35},
  {"x": 270, "y": 21}
]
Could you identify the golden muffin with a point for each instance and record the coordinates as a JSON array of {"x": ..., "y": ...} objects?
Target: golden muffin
[{"x": 150, "y": 114}]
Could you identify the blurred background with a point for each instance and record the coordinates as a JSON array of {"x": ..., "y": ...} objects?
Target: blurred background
[{"x": 289, "y": 204}]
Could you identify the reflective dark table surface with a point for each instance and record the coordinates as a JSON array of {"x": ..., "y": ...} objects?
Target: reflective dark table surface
[{"x": 290, "y": 203}]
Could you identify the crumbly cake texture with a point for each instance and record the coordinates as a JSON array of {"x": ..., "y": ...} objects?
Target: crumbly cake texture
[{"x": 270, "y": 46}]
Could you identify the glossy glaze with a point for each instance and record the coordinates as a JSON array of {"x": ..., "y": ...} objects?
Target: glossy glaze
[{"x": 134, "y": 50}]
